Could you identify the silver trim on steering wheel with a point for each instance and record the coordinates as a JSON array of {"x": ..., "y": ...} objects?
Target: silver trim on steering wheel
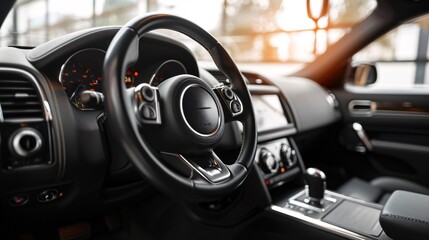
[{"x": 186, "y": 121}]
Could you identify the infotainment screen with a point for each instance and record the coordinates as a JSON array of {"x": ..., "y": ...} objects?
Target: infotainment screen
[{"x": 269, "y": 112}]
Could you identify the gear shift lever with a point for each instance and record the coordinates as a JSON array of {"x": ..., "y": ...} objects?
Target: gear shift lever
[{"x": 315, "y": 181}]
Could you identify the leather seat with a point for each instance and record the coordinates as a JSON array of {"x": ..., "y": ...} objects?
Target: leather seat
[{"x": 379, "y": 189}]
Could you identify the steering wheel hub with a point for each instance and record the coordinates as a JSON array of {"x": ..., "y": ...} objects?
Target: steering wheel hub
[{"x": 200, "y": 111}]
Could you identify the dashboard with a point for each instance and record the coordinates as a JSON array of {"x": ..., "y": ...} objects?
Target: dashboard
[{"x": 63, "y": 81}]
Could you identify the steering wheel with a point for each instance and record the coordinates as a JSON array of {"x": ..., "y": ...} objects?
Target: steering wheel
[{"x": 169, "y": 131}]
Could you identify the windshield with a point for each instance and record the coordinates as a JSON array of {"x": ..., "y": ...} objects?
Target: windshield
[{"x": 261, "y": 31}]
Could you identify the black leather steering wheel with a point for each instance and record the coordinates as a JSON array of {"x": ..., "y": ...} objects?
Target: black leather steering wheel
[{"x": 169, "y": 131}]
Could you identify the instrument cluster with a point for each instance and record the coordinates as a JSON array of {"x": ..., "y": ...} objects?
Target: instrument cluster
[{"x": 81, "y": 76}]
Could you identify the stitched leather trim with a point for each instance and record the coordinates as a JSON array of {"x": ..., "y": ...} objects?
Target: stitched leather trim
[{"x": 406, "y": 218}]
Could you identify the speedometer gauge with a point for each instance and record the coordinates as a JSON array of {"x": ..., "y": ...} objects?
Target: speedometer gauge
[{"x": 82, "y": 72}]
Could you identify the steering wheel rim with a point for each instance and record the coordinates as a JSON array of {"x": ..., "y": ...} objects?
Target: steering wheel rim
[{"x": 123, "y": 53}]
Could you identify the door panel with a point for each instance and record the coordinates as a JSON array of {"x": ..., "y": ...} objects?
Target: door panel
[{"x": 397, "y": 126}]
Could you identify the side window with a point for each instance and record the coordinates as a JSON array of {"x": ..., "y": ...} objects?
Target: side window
[{"x": 400, "y": 56}]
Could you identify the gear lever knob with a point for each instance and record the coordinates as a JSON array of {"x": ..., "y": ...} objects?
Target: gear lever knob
[{"x": 315, "y": 181}]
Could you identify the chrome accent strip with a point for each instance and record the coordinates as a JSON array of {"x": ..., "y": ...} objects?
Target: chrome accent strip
[
  {"x": 308, "y": 206},
  {"x": 47, "y": 109},
  {"x": 328, "y": 198},
  {"x": 209, "y": 176},
  {"x": 318, "y": 223},
  {"x": 374, "y": 205},
  {"x": 372, "y": 107},
  {"x": 344, "y": 197},
  {"x": 186, "y": 121},
  {"x": 1, "y": 114}
]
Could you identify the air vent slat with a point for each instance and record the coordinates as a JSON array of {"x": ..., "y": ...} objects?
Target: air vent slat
[
  {"x": 20, "y": 100},
  {"x": 20, "y": 111},
  {"x": 12, "y": 96},
  {"x": 14, "y": 82},
  {"x": 16, "y": 89},
  {"x": 23, "y": 104}
]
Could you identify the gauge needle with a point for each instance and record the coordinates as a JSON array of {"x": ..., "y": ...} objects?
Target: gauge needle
[{"x": 75, "y": 91}]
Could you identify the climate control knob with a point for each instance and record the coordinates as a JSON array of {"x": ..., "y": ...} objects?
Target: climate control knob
[
  {"x": 25, "y": 142},
  {"x": 268, "y": 162},
  {"x": 287, "y": 155}
]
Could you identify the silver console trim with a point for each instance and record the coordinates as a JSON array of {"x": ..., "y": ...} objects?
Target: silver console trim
[
  {"x": 374, "y": 205},
  {"x": 318, "y": 223},
  {"x": 307, "y": 206}
]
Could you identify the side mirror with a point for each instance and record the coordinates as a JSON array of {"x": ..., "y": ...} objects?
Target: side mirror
[{"x": 365, "y": 74}]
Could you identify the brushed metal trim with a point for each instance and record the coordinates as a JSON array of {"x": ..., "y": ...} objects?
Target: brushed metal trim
[{"x": 318, "y": 223}]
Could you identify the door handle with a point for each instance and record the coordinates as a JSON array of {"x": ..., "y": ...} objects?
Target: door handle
[
  {"x": 360, "y": 132},
  {"x": 362, "y": 108}
]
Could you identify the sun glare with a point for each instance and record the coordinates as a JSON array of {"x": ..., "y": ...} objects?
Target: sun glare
[{"x": 293, "y": 16}]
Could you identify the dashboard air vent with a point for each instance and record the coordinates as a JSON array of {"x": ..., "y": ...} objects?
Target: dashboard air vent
[{"x": 19, "y": 98}]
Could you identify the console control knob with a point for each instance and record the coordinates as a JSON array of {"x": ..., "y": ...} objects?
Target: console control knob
[
  {"x": 268, "y": 162},
  {"x": 287, "y": 155},
  {"x": 48, "y": 195},
  {"x": 25, "y": 142},
  {"x": 315, "y": 181}
]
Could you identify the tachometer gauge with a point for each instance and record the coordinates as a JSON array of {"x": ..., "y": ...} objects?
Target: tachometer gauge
[{"x": 83, "y": 72}]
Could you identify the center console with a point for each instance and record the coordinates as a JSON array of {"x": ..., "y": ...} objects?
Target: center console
[
  {"x": 277, "y": 160},
  {"x": 281, "y": 167},
  {"x": 329, "y": 211}
]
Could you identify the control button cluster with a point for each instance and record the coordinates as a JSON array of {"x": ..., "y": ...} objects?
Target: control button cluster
[
  {"x": 230, "y": 101},
  {"x": 148, "y": 110},
  {"x": 35, "y": 197},
  {"x": 278, "y": 161}
]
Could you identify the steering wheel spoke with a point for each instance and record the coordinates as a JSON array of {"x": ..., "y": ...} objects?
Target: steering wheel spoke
[
  {"x": 147, "y": 106},
  {"x": 231, "y": 103},
  {"x": 208, "y": 166}
]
